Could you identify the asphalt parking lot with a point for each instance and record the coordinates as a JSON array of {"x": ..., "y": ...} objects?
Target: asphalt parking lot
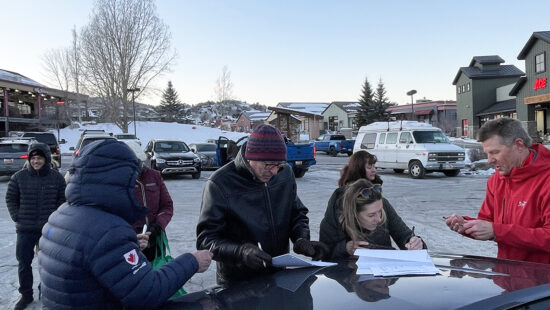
[{"x": 421, "y": 203}]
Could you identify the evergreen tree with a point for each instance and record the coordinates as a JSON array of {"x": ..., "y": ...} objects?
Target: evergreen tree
[
  {"x": 170, "y": 104},
  {"x": 365, "y": 101},
  {"x": 380, "y": 104}
]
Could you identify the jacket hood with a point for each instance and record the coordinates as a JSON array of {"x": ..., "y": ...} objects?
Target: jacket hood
[
  {"x": 538, "y": 164},
  {"x": 103, "y": 176},
  {"x": 43, "y": 148}
]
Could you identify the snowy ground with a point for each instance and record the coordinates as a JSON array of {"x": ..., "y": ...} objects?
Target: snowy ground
[{"x": 421, "y": 203}]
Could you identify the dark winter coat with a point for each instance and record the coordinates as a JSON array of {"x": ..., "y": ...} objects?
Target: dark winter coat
[
  {"x": 158, "y": 200},
  {"x": 332, "y": 232},
  {"x": 89, "y": 254},
  {"x": 33, "y": 195},
  {"x": 237, "y": 208}
]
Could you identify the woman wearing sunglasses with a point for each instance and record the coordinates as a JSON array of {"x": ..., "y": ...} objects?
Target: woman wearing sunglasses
[{"x": 358, "y": 215}]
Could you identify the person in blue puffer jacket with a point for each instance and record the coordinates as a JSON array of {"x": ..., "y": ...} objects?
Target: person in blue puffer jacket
[{"x": 89, "y": 257}]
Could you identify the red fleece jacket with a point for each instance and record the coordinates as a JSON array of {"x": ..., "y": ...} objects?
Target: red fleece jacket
[{"x": 519, "y": 207}]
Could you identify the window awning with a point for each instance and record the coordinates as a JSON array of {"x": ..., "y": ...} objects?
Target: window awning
[{"x": 424, "y": 112}]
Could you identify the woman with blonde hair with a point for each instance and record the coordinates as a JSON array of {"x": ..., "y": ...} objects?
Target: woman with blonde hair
[{"x": 358, "y": 215}]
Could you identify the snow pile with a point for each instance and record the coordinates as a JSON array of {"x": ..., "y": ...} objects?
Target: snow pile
[{"x": 149, "y": 130}]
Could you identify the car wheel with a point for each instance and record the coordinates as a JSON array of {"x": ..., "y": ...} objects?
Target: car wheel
[
  {"x": 452, "y": 173},
  {"x": 196, "y": 175},
  {"x": 333, "y": 152},
  {"x": 416, "y": 170},
  {"x": 298, "y": 172},
  {"x": 398, "y": 170}
]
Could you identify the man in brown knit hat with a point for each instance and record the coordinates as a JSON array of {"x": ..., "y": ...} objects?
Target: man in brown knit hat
[{"x": 250, "y": 209}]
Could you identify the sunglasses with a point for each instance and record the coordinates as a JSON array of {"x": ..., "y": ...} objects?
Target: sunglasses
[
  {"x": 375, "y": 188},
  {"x": 269, "y": 166}
]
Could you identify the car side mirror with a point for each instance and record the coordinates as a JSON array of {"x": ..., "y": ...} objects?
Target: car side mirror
[
  {"x": 71, "y": 148},
  {"x": 62, "y": 141}
]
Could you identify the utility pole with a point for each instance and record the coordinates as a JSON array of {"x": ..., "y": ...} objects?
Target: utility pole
[{"x": 411, "y": 93}]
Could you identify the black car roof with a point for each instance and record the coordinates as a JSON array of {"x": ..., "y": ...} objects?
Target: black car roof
[{"x": 465, "y": 282}]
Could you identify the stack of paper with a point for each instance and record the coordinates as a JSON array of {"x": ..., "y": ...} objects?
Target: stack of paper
[
  {"x": 293, "y": 261},
  {"x": 392, "y": 263}
]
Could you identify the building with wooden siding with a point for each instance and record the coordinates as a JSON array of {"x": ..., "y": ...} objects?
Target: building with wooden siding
[
  {"x": 476, "y": 92},
  {"x": 532, "y": 91}
]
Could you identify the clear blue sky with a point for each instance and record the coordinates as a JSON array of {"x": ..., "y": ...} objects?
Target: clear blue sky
[{"x": 314, "y": 51}]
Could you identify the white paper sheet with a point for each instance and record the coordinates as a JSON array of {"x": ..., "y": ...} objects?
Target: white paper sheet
[
  {"x": 392, "y": 262},
  {"x": 290, "y": 260}
]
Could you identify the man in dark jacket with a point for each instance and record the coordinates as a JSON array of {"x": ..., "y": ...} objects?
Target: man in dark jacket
[
  {"x": 89, "y": 254},
  {"x": 33, "y": 194},
  {"x": 250, "y": 210}
]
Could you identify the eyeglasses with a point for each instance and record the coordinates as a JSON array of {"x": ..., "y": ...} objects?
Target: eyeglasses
[
  {"x": 278, "y": 165},
  {"x": 375, "y": 188}
]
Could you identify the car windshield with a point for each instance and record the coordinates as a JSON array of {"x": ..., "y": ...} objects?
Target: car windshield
[
  {"x": 14, "y": 148},
  {"x": 47, "y": 138},
  {"x": 90, "y": 140},
  {"x": 171, "y": 147},
  {"x": 430, "y": 137},
  {"x": 206, "y": 147},
  {"x": 125, "y": 136}
]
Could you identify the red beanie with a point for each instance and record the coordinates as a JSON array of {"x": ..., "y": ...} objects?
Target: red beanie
[{"x": 265, "y": 144}]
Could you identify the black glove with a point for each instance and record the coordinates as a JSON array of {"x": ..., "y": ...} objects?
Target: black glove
[
  {"x": 155, "y": 230},
  {"x": 253, "y": 257},
  {"x": 314, "y": 249}
]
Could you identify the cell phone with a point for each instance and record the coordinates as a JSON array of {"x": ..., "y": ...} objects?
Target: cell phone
[{"x": 144, "y": 229}]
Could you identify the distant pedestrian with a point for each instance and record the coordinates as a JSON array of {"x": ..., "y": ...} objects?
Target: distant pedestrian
[
  {"x": 152, "y": 193},
  {"x": 250, "y": 210},
  {"x": 333, "y": 231},
  {"x": 90, "y": 257},
  {"x": 33, "y": 194},
  {"x": 516, "y": 210}
]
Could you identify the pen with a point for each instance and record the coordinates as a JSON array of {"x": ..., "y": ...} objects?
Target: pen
[
  {"x": 260, "y": 247},
  {"x": 413, "y": 232},
  {"x": 144, "y": 229}
]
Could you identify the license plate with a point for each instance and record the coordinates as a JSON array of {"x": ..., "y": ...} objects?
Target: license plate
[
  {"x": 8, "y": 160},
  {"x": 298, "y": 162}
]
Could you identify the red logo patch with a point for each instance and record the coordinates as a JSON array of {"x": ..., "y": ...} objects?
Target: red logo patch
[{"x": 132, "y": 257}]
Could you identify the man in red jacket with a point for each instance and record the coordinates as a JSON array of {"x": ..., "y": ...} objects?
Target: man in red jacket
[{"x": 516, "y": 210}]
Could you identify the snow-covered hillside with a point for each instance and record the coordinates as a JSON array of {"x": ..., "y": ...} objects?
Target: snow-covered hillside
[{"x": 150, "y": 130}]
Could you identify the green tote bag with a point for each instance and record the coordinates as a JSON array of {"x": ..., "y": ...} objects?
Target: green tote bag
[{"x": 162, "y": 256}]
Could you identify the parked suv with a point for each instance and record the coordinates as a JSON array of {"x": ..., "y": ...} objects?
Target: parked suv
[
  {"x": 128, "y": 136},
  {"x": 14, "y": 153},
  {"x": 172, "y": 157},
  {"x": 89, "y": 136},
  {"x": 51, "y": 140}
]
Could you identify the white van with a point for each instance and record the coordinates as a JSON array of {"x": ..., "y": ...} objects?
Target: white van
[{"x": 418, "y": 147}]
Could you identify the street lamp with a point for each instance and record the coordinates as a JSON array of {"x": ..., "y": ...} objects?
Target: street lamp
[
  {"x": 411, "y": 93},
  {"x": 133, "y": 91}
]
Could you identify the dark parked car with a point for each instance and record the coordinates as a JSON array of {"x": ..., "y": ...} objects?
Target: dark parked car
[
  {"x": 172, "y": 157},
  {"x": 14, "y": 153},
  {"x": 207, "y": 154},
  {"x": 51, "y": 140},
  {"x": 465, "y": 282}
]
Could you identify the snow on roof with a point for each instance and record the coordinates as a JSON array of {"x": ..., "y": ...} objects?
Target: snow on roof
[
  {"x": 310, "y": 107},
  {"x": 18, "y": 78}
]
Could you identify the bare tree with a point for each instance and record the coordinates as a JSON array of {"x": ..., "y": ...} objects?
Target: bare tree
[
  {"x": 125, "y": 45},
  {"x": 76, "y": 72},
  {"x": 57, "y": 67},
  {"x": 224, "y": 86}
]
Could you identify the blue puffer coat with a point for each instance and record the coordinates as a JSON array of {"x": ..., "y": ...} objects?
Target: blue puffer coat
[{"x": 89, "y": 254}]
